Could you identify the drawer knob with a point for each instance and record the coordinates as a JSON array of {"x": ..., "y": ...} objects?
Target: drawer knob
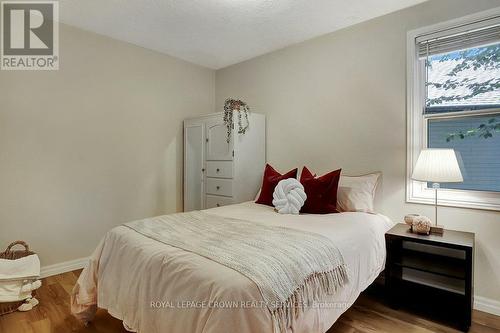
[
  {"x": 217, "y": 170},
  {"x": 218, "y": 187},
  {"x": 218, "y": 205},
  {"x": 203, "y": 170}
]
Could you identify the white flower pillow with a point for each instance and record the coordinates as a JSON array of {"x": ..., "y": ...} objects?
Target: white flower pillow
[{"x": 357, "y": 193}]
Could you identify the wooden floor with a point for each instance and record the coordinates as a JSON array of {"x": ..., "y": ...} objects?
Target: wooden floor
[{"x": 367, "y": 315}]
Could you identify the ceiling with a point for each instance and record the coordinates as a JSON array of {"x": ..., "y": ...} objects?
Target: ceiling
[{"x": 219, "y": 33}]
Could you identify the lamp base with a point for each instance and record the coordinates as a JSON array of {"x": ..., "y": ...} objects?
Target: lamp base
[{"x": 437, "y": 230}]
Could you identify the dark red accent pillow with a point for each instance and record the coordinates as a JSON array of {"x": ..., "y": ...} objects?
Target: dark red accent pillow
[
  {"x": 269, "y": 181},
  {"x": 321, "y": 192}
]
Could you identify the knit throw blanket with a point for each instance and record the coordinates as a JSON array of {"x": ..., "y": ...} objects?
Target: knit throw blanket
[{"x": 290, "y": 267}]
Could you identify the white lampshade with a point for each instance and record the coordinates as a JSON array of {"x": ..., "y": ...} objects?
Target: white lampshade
[{"x": 437, "y": 166}]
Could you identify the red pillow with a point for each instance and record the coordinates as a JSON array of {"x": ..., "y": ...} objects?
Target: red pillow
[
  {"x": 270, "y": 180},
  {"x": 321, "y": 192}
]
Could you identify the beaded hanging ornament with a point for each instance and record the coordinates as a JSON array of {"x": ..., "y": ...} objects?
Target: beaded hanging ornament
[{"x": 241, "y": 108}]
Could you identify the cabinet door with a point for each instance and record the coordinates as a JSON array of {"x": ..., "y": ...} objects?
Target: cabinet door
[
  {"x": 194, "y": 164},
  {"x": 218, "y": 149}
]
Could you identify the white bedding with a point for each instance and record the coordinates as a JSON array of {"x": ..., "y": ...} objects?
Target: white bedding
[{"x": 154, "y": 287}]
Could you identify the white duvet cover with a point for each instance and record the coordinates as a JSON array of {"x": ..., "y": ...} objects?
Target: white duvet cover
[{"x": 157, "y": 288}]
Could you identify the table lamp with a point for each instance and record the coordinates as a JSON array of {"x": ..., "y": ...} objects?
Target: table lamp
[{"x": 437, "y": 166}]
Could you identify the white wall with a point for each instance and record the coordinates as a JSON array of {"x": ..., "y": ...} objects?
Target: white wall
[
  {"x": 95, "y": 144},
  {"x": 339, "y": 101}
]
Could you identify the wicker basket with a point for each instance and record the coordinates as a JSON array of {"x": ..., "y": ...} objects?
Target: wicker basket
[{"x": 10, "y": 254}]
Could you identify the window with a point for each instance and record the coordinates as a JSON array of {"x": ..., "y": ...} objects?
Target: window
[{"x": 454, "y": 102}]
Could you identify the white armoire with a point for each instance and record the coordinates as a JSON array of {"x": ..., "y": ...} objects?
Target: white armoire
[{"x": 218, "y": 173}]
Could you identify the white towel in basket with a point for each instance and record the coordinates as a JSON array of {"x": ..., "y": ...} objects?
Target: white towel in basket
[{"x": 18, "y": 278}]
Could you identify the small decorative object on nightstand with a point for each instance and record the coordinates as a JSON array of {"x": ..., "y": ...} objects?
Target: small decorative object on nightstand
[
  {"x": 418, "y": 224},
  {"x": 410, "y": 218},
  {"x": 433, "y": 274},
  {"x": 421, "y": 225},
  {"x": 437, "y": 166}
]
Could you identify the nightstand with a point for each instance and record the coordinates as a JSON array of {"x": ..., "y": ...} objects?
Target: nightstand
[{"x": 432, "y": 274}]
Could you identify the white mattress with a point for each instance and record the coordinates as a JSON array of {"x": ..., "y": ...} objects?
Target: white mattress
[{"x": 154, "y": 287}]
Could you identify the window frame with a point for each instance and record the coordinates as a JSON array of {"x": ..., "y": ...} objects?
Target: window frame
[{"x": 418, "y": 192}]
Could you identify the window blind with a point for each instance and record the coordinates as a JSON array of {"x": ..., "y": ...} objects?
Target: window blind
[{"x": 473, "y": 35}]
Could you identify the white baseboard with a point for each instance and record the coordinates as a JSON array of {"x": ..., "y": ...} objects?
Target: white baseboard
[
  {"x": 487, "y": 305},
  {"x": 63, "y": 267},
  {"x": 480, "y": 303}
]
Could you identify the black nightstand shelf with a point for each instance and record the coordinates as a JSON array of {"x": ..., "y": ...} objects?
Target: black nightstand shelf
[{"x": 432, "y": 274}]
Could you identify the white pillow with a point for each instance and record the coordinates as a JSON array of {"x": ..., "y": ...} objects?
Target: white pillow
[{"x": 357, "y": 193}]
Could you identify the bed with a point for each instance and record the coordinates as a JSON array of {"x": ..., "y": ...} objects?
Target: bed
[{"x": 153, "y": 287}]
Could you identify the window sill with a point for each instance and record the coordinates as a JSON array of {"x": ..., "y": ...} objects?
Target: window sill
[{"x": 418, "y": 192}]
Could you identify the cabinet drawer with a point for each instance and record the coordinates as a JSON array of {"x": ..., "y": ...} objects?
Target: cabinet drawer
[
  {"x": 220, "y": 169},
  {"x": 220, "y": 186},
  {"x": 213, "y": 201}
]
